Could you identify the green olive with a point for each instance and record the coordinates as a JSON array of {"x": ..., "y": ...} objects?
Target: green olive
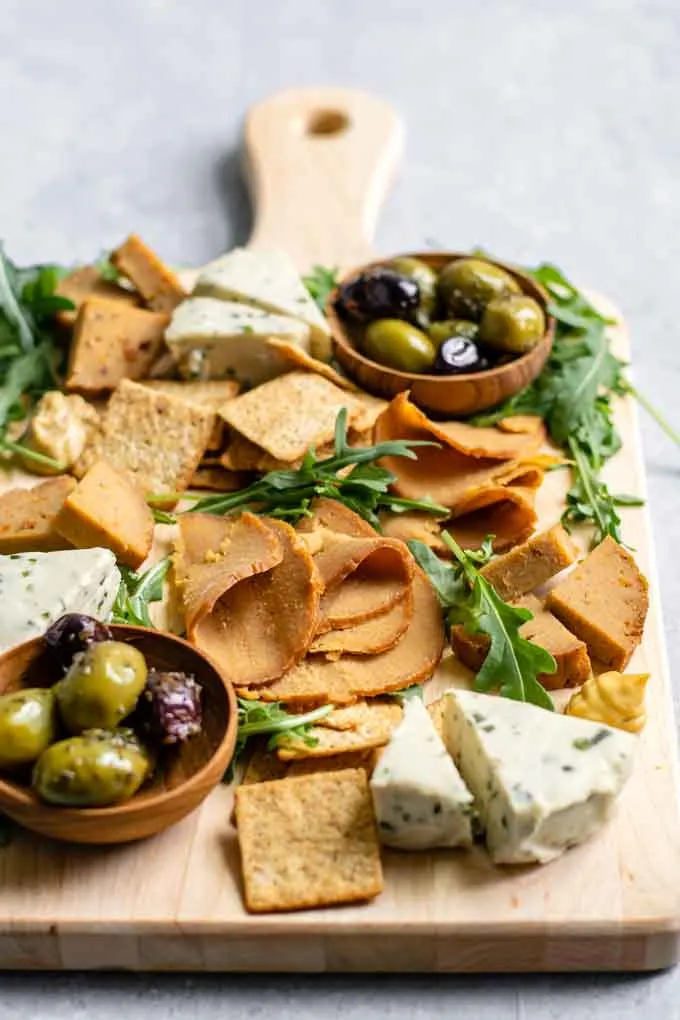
[
  {"x": 28, "y": 724},
  {"x": 467, "y": 285},
  {"x": 97, "y": 768},
  {"x": 426, "y": 279},
  {"x": 514, "y": 323},
  {"x": 101, "y": 687},
  {"x": 441, "y": 331},
  {"x": 399, "y": 345}
]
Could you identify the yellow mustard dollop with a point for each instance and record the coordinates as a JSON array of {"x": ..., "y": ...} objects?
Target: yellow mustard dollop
[{"x": 617, "y": 699}]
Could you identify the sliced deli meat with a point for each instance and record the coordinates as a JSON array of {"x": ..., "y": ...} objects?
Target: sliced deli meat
[
  {"x": 253, "y": 603},
  {"x": 411, "y": 660}
]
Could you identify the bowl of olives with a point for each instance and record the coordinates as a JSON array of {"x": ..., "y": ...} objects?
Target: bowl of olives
[
  {"x": 110, "y": 733},
  {"x": 461, "y": 332}
]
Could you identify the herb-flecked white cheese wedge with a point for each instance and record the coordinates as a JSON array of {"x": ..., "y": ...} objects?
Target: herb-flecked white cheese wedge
[
  {"x": 420, "y": 801},
  {"x": 542, "y": 781},
  {"x": 268, "y": 279},
  {"x": 37, "y": 588},
  {"x": 231, "y": 339}
]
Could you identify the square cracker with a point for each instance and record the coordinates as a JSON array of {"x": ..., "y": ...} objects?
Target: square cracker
[
  {"x": 308, "y": 842},
  {"x": 157, "y": 439},
  {"x": 291, "y": 413},
  {"x": 373, "y": 726}
]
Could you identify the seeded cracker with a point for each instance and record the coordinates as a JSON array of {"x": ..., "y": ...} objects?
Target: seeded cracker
[
  {"x": 375, "y": 723},
  {"x": 157, "y": 439},
  {"x": 288, "y": 415},
  {"x": 308, "y": 842}
]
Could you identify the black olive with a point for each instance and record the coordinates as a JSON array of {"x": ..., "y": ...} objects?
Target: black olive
[
  {"x": 71, "y": 634},
  {"x": 458, "y": 355},
  {"x": 379, "y": 294},
  {"x": 169, "y": 709}
]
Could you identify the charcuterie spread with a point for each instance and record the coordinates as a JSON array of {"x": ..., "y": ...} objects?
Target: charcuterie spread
[{"x": 327, "y": 549}]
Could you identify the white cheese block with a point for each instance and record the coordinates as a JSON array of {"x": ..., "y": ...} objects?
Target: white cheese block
[
  {"x": 420, "y": 801},
  {"x": 230, "y": 339},
  {"x": 268, "y": 279},
  {"x": 37, "y": 588},
  {"x": 542, "y": 781}
]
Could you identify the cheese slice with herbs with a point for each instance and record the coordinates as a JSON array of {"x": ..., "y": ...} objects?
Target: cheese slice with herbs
[
  {"x": 542, "y": 781},
  {"x": 213, "y": 339},
  {"x": 419, "y": 798},
  {"x": 266, "y": 278},
  {"x": 37, "y": 588}
]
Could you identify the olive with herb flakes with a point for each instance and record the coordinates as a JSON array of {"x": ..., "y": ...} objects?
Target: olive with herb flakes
[
  {"x": 170, "y": 706},
  {"x": 458, "y": 356},
  {"x": 71, "y": 634},
  {"x": 514, "y": 323},
  {"x": 28, "y": 724},
  {"x": 378, "y": 293},
  {"x": 466, "y": 286},
  {"x": 102, "y": 686},
  {"x": 399, "y": 345},
  {"x": 446, "y": 328},
  {"x": 95, "y": 769}
]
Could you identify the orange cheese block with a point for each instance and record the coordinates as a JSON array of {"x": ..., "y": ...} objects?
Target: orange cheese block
[
  {"x": 87, "y": 282},
  {"x": 111, "y": 342},
  {"x": 569, "y": 652},
  {"x": 108, "y": 509},
  {"x": 530, "y": 564},
  {"x": 157, "y": 284},
  {"x": 28, "y": 516},
  {"x": 604, "y": 601}
]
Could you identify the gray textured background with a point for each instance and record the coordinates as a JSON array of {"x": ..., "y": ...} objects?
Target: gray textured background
[{"x": 536, "y": 129}]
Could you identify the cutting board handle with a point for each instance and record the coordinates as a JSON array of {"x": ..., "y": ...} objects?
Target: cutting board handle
[{"x": 319, "y": 162}]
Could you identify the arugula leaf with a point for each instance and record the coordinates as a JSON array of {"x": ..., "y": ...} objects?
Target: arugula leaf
[
  {"x": 320, "y": 283},
  {"x": 261, "y": 718},
  {"x": 107, "y": 270},
  {"x": 136, "y": 591},
  {"x": 573, "y": 395},
  {"x": 288, "y": 494},
  {"x": 29, "y": 355},
  {"x": 512, "y": 664}
]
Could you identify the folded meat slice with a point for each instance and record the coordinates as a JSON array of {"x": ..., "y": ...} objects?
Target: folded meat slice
[
  {"x": 362, "y": 578},
  {"x": 335, "y": 516},
  {"x": 251, "y": 601},
  {"x": 411, "y": 660},
  {"x": 370, "y": 637},
  {"x": 484, "y": 476}
]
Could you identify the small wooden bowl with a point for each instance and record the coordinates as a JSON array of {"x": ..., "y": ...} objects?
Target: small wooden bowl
[
  {"x": 444, "y": 395},
  {"x": 185, "y": 775}
]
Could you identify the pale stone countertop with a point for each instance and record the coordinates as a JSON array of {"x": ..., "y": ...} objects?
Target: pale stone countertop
[{"x": 535, "y": 129}]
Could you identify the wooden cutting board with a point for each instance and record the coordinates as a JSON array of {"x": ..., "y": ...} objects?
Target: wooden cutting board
[{"x": 320, "y": 162}]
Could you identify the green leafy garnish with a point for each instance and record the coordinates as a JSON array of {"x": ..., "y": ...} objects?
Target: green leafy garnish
[
  {"x": 365, "y": 488},
  {"x": 573, "y": 395},
  {"x": 137, "y": 591},
  {"x": 261, "y": 718},
  {"x": 163, "y": 516},
  {"x": 29, "y": 357},
  {"x": 107, "y": 270},
  {"x": 512, "y": 664},
  {"x": 320, "y": 283},
  {"x": 414, "y": 692}
]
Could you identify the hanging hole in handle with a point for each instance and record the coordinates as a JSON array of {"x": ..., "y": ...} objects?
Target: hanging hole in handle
[{"x": 323, "y": 123}]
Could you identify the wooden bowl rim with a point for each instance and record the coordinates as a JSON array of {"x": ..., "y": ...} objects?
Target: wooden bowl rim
[
  {"x": 18, "y": 795},
  {"x": 341, "y": 337}
]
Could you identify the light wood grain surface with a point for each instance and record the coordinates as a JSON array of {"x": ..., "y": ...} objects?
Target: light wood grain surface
[{"x": 174, "y": 902}]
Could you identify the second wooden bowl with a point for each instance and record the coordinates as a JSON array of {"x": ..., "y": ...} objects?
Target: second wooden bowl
[
  {"x": 185, "y": 775},
  {"x": 444, "y": 395}
]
